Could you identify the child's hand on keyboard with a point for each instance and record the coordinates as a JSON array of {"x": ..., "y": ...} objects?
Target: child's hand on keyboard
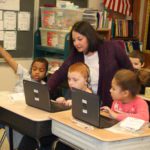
[
  {"x": 105, "y": 108},
  {"x": 63, "y": 101},
  {"x": 60, "y": 100},
  {"x": 68, "y": 103},
  {"x": 111, "y": 112}
]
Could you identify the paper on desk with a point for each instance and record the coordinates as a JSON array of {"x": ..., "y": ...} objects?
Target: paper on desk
[
  {"x": 17, "y": 96},
  {"x": 129, "y": 125},
  {"x": 117, "y": 129},
  {"x": 132, "y": 123}
]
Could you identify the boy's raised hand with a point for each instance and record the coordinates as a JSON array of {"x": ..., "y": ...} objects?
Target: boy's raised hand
[{"x": 9, "y": 59}]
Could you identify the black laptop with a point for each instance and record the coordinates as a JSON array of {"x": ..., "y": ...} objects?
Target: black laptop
[
  {"x": 37, "y": 95},
  {"x": 86, "y": 107}
]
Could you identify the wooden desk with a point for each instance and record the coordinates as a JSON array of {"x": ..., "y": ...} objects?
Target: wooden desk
[
  {"x": 145, "y": 98},
  {"x": 64, "y": 126},
  {"x": 23, "y": 118}
]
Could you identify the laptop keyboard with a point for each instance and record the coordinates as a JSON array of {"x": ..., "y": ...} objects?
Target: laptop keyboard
[
  {"x": 106, "y": 122},
  {"x": 58, "y": 107}
]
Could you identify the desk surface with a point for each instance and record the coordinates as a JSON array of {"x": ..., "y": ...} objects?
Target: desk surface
[
  {"x": 23, "y": 118},
  {"x": 20, "y": 107},
  {"x": 100, "y": 134},
  {"x": 145, "y": 98}
]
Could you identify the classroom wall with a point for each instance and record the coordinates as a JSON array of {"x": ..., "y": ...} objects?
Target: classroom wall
[
  {"x": 7, "y": 75},
  {"x": 94, "y": 4}
]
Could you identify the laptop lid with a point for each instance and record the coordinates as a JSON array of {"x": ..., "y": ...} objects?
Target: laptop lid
[
  {"x": 86, "y": 107},
  {"x": 36, "y": 95}
]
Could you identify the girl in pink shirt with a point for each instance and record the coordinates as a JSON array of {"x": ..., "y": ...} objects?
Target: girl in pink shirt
[{"x": 124, "y": 89}]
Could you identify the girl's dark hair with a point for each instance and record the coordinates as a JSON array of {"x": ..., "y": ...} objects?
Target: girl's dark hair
[
  {"x": 41, "y": 60},
  {"x": 89, "y": 32},
  {"x": 128, "y": 80}
]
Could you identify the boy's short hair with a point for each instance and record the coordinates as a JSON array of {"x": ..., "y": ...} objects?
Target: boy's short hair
[
  {"x": 81, "y": 68},
  {"x": 137, "y": 54},
  {"x": 128, "y": 80},
  {"x": 41, "y": 60}
]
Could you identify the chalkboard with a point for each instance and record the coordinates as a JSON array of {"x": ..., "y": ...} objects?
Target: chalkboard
[{"x": 25, "y": 39}]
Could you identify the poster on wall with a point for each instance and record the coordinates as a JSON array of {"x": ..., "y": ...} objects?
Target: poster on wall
[
  {"x": 24, "y": 21},
  {"x": 1, "y": 35},
  {"x": 10, "y": 20},
  {"x": 10, "y": 5},
  {"x": 10, "y": 40},
  {"x": 1, "y": 15},
  {"x": 1, "y": 25}
]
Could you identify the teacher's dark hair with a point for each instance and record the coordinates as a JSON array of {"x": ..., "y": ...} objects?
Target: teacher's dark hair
[{"x": 89, "y": 32}]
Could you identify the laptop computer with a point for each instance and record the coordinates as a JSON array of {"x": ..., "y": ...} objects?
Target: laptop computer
[
  {"x": 86, "y": 107},
  {"x": 37, "y": 95}
]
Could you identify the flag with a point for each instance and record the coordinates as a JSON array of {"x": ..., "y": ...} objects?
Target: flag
[{"x": 120, "y": 6}]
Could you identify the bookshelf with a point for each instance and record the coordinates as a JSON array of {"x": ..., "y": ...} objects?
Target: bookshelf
[
  {"x": 105, "y": 33},
  {"x": 126, "y": 38},
  {"x": 129, "y": 31},
  {"x": 45, "y": 51},
  {"x": 52, "y": 38}
]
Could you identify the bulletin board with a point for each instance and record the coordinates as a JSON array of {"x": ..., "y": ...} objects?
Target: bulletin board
[{"x": 24, "y": 37}]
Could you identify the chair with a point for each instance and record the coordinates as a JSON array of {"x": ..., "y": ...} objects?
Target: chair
[{"x": 3, "y": 135}]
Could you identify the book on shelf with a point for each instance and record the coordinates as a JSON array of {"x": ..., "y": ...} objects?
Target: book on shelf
[
  {"x": 130, "y": 28},
  {"x": 133, "y": 45},
  {"x": 104, "y": 20},
  {"x": 122, "y": 28},
  {"x": 91, "y": 16}
]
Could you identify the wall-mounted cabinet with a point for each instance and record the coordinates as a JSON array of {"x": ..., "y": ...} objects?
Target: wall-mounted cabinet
[{"x": 47, "y": 51}]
